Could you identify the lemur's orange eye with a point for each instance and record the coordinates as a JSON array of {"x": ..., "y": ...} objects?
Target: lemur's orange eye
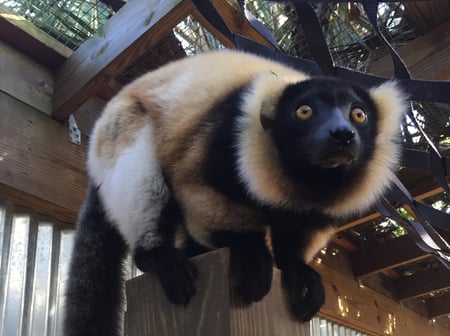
[
  {"x": 358, "y": 115},
  {"x": 304, "y": 112}
]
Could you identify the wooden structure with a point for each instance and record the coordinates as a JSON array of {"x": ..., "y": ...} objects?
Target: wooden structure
[
  {"x": 42, "y": 82},
  {"x": 215, "y": 308}
]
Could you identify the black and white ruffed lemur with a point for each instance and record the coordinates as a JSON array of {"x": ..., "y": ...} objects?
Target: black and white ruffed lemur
[{"x": 218, "y": 148}]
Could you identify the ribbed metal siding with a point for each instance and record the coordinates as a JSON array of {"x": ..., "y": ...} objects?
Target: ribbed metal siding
[
  {"x": 35, "y": 255},
  {"x": 322, "y": 327},
  {"x": 34, "y": 259}
]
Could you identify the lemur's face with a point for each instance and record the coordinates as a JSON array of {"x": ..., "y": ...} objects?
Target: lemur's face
[{"x": 325, "y": 124}]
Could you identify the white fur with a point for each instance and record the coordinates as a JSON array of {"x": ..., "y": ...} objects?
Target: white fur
[
  {"x": 254, "y": 146},
  {"x": 262, "y": 177},
  {"x": 132, "y": 189}
]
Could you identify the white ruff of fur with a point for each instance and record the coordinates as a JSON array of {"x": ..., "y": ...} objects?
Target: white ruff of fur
[
  {"x": 264, "y": 178},
  {"x": 254, "y": 146}
]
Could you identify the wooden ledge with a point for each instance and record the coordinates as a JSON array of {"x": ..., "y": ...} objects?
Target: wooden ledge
[{"x": 215, "y": 311}]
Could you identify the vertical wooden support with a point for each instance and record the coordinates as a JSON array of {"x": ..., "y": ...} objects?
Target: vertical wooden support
[{"x": 213, "y": 310}]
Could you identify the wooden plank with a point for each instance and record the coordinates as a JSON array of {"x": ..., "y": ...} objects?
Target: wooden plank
[
  {"x": 148, "y": 310},
  {"x": 209, "y": 309},
  {"x": 425, "y": 56},
  {"x": 26, "y": 37},
  {"x": 346, "y": 303},
  {"x": 112, "y": 49},
  {"x": 422, "y": 283},
  {"x": 236, "y": 22},
  {"x": 25, "y": 79},
  {"x": 37, "y": 162},
  {"x": 366, "y": 310},
  {"x": 87, "y": 114},
  {"x": 393, "y": 253},
  {"x": 439, "y": 306},
  {"x": 426, "y": 15},
  {"x": 358, "y": 221},
  {"x": 109, "y": 90}
]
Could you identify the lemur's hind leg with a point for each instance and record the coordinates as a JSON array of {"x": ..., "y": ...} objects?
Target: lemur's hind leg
[
  {"x": 139, "y": 201},
  {"x": 175, "y": 273}
]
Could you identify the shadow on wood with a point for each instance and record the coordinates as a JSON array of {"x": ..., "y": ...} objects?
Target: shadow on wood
[{"x": 212, "y": 311}]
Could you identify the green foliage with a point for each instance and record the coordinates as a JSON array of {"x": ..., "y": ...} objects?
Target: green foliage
[{"x": 404, "y": 213}]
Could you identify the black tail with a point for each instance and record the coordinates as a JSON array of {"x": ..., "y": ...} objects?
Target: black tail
[{"x": 95, "y": 286}]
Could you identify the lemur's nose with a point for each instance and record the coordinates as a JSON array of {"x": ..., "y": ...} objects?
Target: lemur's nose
[{"x": 343, "y": 136}]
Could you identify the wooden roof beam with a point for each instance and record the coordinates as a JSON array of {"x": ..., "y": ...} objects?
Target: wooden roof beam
[
  {"x": 422, "y": 283},
  {"x": 236, "y": 22},
  {"x": 375, "y": 215},
  {"x": 393, "y": 253},
  {"x": 426, "y": 56},
  {"x": 439, "y": 306},
  {"x": 122, "y": 40}
]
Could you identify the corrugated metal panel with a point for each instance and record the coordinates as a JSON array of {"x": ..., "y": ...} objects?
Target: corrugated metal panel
[
  {"x": 34, "y": 256},
  {"x": 34, "y": 260},
  {"x": 323, "y": 327}
]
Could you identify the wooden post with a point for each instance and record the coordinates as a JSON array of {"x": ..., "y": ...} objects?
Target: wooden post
[{"x": 212, "y": 311}]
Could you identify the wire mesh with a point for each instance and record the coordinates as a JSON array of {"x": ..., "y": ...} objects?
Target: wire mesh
[
  {"x": 351, "y": 39},
  {"x": 70, "y": 22},
  {"x": 187, "y": 38}
]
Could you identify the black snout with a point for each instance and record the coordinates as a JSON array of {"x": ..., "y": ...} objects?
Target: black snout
[{"x": 343, "y": 136}]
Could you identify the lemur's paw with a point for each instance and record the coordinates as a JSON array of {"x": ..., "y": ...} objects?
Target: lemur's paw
[
  {"x": 251, "y": 275},
  {"x": 304, "y": 291},
  {"x": 175, "y": 273}
]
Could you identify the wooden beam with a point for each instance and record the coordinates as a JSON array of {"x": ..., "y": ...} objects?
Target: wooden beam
[
  {"x": 439, "y": 306},
  {"x": 358, "y": 221},
  {"x": 427, "y": 15},
  {"x": 25, "y": 79},
  {"x": 236, "y": 22},
  {"x": 393, "y": 253},
  {"x": 422, "y": 283},
  {"x": 87, "y": 114},
  {"x": 375, "y": 215},
  {"x": 425, "y": 56},
  {"x": 364, "y": 309},
  {"x": 26, "y": 37},
  {"x": 215, "y": 307},
  {"x": 123, "y": 39},
  {"x": 38, "y": 165}
]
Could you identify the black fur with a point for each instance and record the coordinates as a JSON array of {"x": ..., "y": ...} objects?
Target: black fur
[
  {"x": 291, "y": 235},
  {"x": 220, "y": 170},
  {"x": 175, "y": 273},
  {"x": 95, "y": 289},
  {"x": 251, "y": 263}
]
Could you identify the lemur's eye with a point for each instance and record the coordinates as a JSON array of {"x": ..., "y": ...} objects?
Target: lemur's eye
[
  {"x": 358, "y": 115},
  {"x": 304, "y": 112}
]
